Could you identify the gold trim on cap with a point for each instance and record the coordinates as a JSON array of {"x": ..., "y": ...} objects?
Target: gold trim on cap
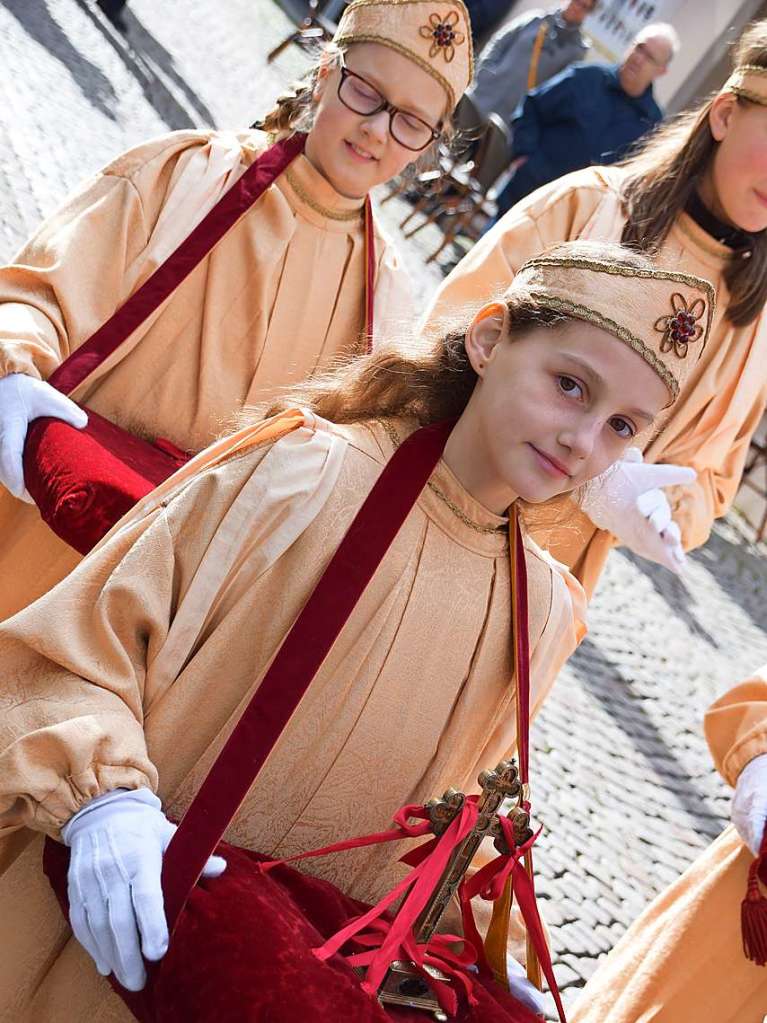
[
  {"x": 370, "y": 37},
  {"x": 582, "y": 312},
  {"x": 751, "y": 69},
  {"x": 620, "y": 309},
  {"x": 380, "y": 21},
  {"x": 738, "y": 83},
  {"x": 633, "y": 271}
]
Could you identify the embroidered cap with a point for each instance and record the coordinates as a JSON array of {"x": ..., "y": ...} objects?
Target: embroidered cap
[
  {"x": 664, "y": 315},
  {"x": 748, "y": 81},
  {"x": 434, "y": 34}
]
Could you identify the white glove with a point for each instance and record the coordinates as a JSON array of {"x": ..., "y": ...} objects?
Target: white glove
[
  {"x": 22, "y": 399},
  {"x": 522, "y": 989},
  {"x": 628, "y": 501},
  {"x": 115, "y": 897},
  {"x": 749, "y": 804}
]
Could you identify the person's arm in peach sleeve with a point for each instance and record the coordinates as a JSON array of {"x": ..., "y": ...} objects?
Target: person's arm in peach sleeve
[
  {"x": 736, "y": 731},
  {"x": 555, "y": 213},
  {"x": 695, "y": 507},
  {"x": 85, "y": 259},
  {"x": 735, "y": 726}
]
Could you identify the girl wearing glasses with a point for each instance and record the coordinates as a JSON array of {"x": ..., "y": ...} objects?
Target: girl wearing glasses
[
  {"x": 697, "y": 192},
  {"x": 287, "y": 289},
  {"x": 125, "y": 679}
]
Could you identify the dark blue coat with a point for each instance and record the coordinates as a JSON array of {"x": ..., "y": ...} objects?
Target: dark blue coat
[{"x": 580, "y": 117}]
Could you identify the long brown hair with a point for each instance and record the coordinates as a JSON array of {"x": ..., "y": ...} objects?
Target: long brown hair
[
  {"x": 427, "y": 382},
  {"x": 668, "y": 168}
]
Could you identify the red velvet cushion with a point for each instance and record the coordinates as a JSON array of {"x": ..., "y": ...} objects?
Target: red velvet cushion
[
  {"x": 242, "y": 953},
  {"x": 83, "y": 481}
]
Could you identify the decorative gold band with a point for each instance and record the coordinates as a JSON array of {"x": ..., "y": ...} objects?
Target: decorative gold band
[
  {"x": 461, "y": 515},
  {"x": 582, "y": 312},
  {"x": 582, "y": 263},
  {"x": 324, "y": 211},
  {"x": 372, "y": 37},
  {"x": 750, "y": 82}
]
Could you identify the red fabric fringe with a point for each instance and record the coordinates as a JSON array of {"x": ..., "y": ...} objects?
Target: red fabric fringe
[{"x": 753, "y": 910}]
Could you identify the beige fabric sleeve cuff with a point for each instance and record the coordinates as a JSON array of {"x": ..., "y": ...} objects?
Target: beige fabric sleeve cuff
[
  {"x": 72, "y": 793},
  {"x": 753, "y": 744},
  {"x": 736, "y": 727},
  {"x": 15, "y": 357}
]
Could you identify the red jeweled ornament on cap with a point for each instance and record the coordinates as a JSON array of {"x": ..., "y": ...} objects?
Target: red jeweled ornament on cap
[
  {"x": 443, "y": 35},
  {"x": 681, "y": 328}
]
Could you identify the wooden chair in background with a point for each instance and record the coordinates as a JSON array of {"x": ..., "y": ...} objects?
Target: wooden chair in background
[
  {"x": 311, "y": 26},
  {"x": 463, "y": 196}
]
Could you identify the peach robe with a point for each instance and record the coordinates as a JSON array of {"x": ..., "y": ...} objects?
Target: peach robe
[
  {"x": 682, "y": 961},
  {"x": 133, "y": 670},
  {"x": 710, "y": 425},
  {"x": 280, "y": 295}
]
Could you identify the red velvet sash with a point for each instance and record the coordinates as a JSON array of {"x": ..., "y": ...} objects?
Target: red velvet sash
[
  {"x": 297, "y": 661},
  {"x": 84, "y": 481},
  {"x": 264, "y": 170},
  {"x": 302, "y": 652}
]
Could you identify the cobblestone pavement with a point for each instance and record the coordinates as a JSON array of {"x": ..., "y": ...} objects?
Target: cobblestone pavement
[{"x": 623, "y": 780}]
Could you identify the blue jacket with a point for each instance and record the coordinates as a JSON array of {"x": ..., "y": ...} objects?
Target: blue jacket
[{"x": 580, "y": 117}]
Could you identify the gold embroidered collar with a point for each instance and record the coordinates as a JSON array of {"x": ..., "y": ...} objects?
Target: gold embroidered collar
[
  {"x": 325, "y": 211},
  {"x": 459, "y": 513}
]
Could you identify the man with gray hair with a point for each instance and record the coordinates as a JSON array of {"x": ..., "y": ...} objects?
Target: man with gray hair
[{"x": 590, "y": 113}]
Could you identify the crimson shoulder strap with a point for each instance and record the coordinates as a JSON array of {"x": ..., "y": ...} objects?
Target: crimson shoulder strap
[
  {"x": 297, "y": 661},
  {"x": 264, "y": 170}
]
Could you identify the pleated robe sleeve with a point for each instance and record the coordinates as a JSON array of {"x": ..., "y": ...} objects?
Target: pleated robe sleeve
[
  {"x": 736, "y": 726},
  {"x": 105, "y": 240},
  {"x": 718, "y": 454},
  {"x": 555, "y": 213},
  {"x": 82, "y": 665}
]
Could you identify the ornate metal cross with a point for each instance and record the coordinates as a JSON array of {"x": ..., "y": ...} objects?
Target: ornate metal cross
[{"x": 404, "y": 984}]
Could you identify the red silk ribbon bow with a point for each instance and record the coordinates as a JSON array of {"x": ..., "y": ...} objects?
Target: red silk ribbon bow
[{"x": 385, "y": 941}]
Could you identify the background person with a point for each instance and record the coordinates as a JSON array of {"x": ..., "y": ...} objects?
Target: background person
[
  {"x": 485, "y": 16},
  {"x": 590, "y": 113},
  {"x": 697, "y": 191},
  {"x": 527, "y": 51}
]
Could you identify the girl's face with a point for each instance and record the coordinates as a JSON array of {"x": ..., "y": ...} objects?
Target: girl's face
[
  {"x": 552, "y": 409},
  {"x": 735, "y": 185},
  {"x": 356, "y": 152}
]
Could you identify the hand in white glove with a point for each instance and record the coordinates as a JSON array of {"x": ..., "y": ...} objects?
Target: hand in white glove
[
  {"x": 522, "y": 989},
  {"x": 749, "y": 804},
  {"x": 628, "y": 502},
  {"x": 115, "y": 897},
  {"x": 22, "y": 399}
]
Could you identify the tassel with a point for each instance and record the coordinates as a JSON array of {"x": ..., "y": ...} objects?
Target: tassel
[{"x": 753, "y": 919}]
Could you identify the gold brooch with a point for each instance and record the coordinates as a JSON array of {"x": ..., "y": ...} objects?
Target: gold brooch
[
  {"x": 443, "y": 35},
  {"x": 681, "y": 327}
]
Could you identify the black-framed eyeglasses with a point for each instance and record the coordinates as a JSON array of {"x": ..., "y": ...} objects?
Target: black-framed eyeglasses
[{"x": 358, "y": 95}]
